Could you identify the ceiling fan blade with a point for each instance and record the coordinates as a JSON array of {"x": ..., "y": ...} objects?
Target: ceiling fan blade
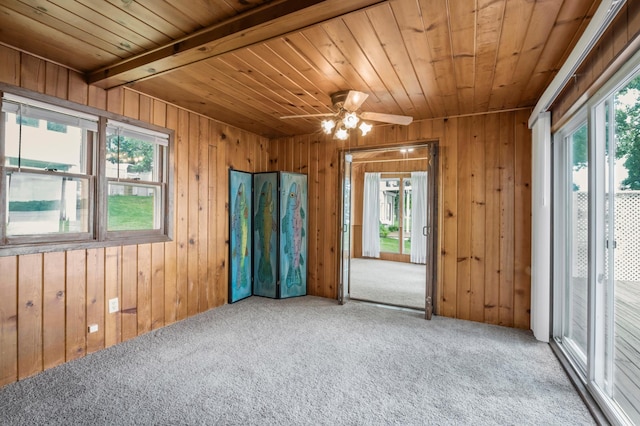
[
  {"x": 354, "y": 100},
  {"x": 326, "y": 114},
  {"x": 387, "y": 118}
]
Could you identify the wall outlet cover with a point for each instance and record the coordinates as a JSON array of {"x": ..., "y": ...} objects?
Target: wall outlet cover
[
  {"x": 93, "y": 328},
  {"x": 113, "y": 305}
]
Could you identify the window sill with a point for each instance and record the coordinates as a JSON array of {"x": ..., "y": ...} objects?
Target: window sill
[{"x": 19, "y": 249}]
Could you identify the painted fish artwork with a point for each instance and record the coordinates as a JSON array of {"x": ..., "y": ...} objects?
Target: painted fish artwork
[
  {"x": 293, "y": 242},
  {"x": 265, "y": 233},
  {"x": 240, "y": 233}
]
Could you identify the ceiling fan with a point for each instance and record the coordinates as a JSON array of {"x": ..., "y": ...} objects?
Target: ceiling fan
[{"x": 346, "y": 104}]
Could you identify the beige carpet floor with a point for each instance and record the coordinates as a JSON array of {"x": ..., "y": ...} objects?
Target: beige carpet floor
[{"x": 393, "y": 283}]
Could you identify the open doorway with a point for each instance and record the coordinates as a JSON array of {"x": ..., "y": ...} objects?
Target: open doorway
[{"x": 390, "y": 205}]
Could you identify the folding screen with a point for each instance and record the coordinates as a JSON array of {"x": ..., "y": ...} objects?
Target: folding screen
[
  {"x": 293, "y": 230},
  {"x": 265, "y": 248},
  {"x": 240, "y": 248},
  {"x": 268, "y": 250}
]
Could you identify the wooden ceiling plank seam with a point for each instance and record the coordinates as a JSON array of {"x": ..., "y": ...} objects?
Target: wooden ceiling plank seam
[
  {"x": 245, "y": 4},
  {"x": 437, "y": 33},
  {"x": 323, "y": 87},
  {"x": 292, "y": 75},
  {"x": 358, "y": 64},
  {"x": 412, "y": 29},
  {"x": 97, "y": 19},
  {"x": 462, "y": 17},
  {"x": 44, "y": 42},
  {"x": 359, "y": 25},
  {"x": 69, "y": 24},
  {"x": 266, "y": 80},
  {"x": 543, "y": 20},
  {"x": 202, "y": 10},
  {"x": 277, "y": 18},
  {"x": 157, "y": 22},
  {"x": 396, "y": 51},
  {"x": 567, "y": 26},
  {"x": 490, "y": 18},
  {"x": 244, "y": 85},
  {"x": 179, "y": 18},
  {"x": 517, "y": 20},
  {"x": 335, "y": 58},
  {"x": 126, "y": 20},
  {"x": 230, "y": 102},
  {"x": 309, "y": 51}
]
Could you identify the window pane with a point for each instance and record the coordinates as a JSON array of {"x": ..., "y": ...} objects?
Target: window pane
[
  {"x": 133, "y": 207},
  {"x": 575, "y": 325},
  {"x": 624, "y": 248},
  {"x": 390, "y": 215},
  {"x": 46, "y": 145},
  {"x": 44, "y": 204},
  {"x": 129, "y": 158},
  {"x": 406, "y": 217}
]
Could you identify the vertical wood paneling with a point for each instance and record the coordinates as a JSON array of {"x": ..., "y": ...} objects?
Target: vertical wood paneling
[
  {"x": 76, "y": 304},
  {"x": 507, "y": 210},
  {"x": 56, "y": 80},
  {"x": 182, "y": 212},
  {"x": 144, "y": 289},
  {"x": 32, "y": 73},
  {"x": 477, "y": 209},
  {"x": 8, "y": 320},
  {"x": 492, "y": 224},
  {"x": 95, "y": 298},
  {"x": 463, "y": 257},
  {"x": 170, "y": 260},
  {"x": 203, "y": 224},
  {"x": 112, "y": 290},
  {"x": 129, "y": 292},
  {"x": 522, "y": 218},
  {"x": 449, "y": 184},
  {"x": 29, "y": 315},
  {"x": 157, "y": 285},
  {"x": 53, "y": 306},
  {"x": 9, "y": 66},
  {"x": 193, "y": 294},
  {"x": 78, "y": 89}
]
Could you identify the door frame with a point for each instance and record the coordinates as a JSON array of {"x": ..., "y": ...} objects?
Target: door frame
[{"x": 433, "y": 200}]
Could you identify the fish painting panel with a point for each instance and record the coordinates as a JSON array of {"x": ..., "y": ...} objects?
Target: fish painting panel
[
  {"x": 265, "y": 255},
  {"x": 293, "y": 234},
  {"x": 240, "y": 247}
]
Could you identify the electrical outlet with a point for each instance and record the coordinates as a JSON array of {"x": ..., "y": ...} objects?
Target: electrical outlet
[
  {"x": 113, "y": 305},
  {"x": 93, "y": 328}
]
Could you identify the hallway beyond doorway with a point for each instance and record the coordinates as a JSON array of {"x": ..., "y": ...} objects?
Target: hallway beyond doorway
[{"x": 393, "y": 283}]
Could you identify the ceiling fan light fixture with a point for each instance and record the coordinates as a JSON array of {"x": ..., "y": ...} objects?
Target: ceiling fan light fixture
[
  {"x": 364, "y": 128},
  {"x": 327, "y": 126},
  {"x": 341, "y": 134},
  {"x": 350, "y": 120}
]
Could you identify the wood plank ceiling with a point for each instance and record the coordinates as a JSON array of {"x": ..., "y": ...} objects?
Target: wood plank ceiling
[{"x": 249, "y": 62}]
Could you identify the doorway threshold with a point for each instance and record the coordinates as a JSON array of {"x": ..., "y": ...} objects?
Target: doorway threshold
[{"x": 388, "y": 305}]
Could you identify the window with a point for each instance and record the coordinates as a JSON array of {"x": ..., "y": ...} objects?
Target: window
[
  {"x": 134, "y": 172},
  {"x": 71, "y": 176}
]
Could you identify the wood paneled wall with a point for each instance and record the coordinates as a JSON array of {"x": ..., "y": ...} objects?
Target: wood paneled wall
[
  {"x": 618, "y": 43},
  {"x": 484, "y": 210},
  {"x": 47, "y": 300}
]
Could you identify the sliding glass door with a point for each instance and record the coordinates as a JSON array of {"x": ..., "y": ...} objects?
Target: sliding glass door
[{"x": 597, "y": 248}]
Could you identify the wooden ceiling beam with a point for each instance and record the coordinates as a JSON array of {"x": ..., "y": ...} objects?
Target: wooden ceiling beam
[{"x": 263, "y": 23}]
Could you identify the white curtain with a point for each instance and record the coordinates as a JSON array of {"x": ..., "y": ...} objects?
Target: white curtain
[
  {"x": 371, "y": 216},
  {"x": 418, "y": 217}
]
